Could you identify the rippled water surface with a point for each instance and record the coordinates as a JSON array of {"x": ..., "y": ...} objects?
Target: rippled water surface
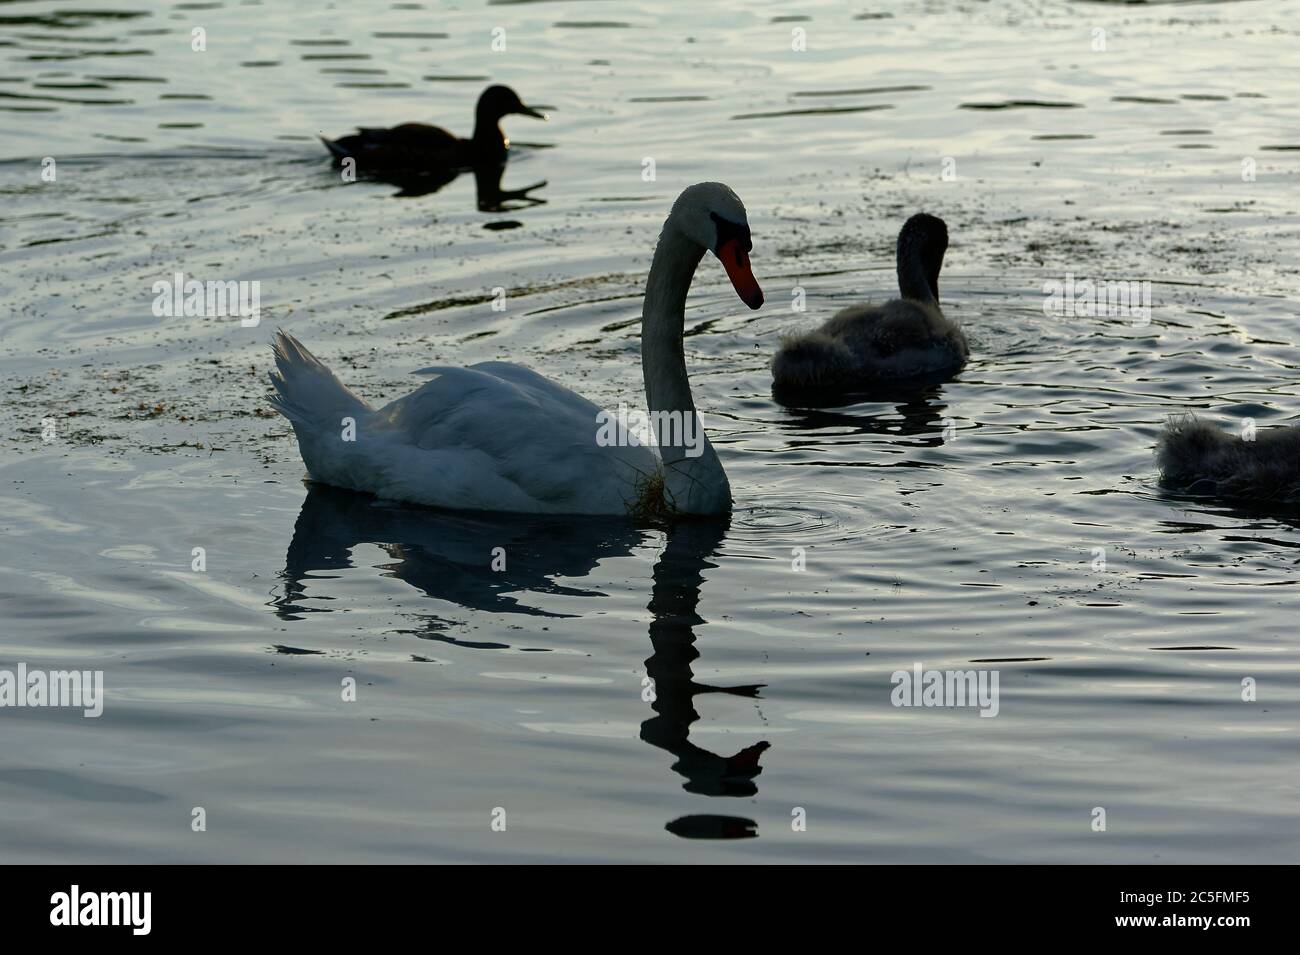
[{"x": 956, "y": 526}]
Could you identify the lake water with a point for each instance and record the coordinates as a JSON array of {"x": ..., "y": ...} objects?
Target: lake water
[{"x": 1007, "y": 521}]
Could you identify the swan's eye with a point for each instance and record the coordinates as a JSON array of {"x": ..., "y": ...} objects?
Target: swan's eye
[{"x": 728, "y": 230}]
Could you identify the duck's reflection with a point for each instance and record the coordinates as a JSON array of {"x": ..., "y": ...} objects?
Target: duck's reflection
[
  {"x": 449, "y": 557},
  {"x": 492, "y": 198},
  {"x": 487, "y": 186}
]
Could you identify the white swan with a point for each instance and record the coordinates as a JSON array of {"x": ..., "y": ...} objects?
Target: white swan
[{"x": 498, "y": 437}]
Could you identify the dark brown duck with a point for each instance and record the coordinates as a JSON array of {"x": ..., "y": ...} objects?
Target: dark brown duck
[{"x": 420, "y": 146}]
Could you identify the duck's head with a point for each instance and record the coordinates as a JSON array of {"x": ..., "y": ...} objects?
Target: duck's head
[
  {"x": 924, "y": 239},
  {"x": 498, "y": 101},
  {"x": 713, "y": 217}
]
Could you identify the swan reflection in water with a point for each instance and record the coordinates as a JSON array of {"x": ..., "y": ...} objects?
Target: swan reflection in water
[
  {"x": 678, "y": 574},
  {"x": 921, "y": 415},
  {"x": 447, "y": 556}
]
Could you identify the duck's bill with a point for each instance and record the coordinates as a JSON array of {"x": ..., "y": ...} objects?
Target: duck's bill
[
  {"x": 535, "y": 114},
  {"x": 736, "y": 261}
]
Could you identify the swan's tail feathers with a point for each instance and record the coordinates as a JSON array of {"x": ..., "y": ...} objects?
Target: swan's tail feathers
[
  {"x": 306, "y": 391},
  {"x": 1188, "y": 449},
  {"x": 815, "y": 360},
  {"x": 1197, "y": 456}
]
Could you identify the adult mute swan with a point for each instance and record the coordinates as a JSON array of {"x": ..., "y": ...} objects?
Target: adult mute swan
[
  {"x": 498, "y": 437},
  {"x": 864, "y": 345},
  {"x": 1196, "y": 456},
  {"x": 420, "y": 146}
]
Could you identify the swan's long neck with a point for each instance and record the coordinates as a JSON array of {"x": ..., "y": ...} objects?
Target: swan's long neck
[
  {"x": 694, "y": 482},
  {"x": 917, "y": 280}
]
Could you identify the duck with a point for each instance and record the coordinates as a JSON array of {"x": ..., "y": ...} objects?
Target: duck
[
  {"x": 865, "y": 345},
  {"x": 1194, "y": 455},
  {"x": 497, "y": 436},
  {"x": 420, "y": 146}
]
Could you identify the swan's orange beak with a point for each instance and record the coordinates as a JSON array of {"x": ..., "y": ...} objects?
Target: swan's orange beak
[{"x": 736, "y": 261}]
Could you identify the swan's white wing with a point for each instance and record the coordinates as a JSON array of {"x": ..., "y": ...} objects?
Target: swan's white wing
[
  {"x": 525, "y": 378},
  {"x": 497, "y": 436}
]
